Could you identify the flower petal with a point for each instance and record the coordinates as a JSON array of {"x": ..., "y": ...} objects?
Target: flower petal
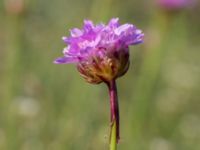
[
  {"x": 66, "y": 60},
  {"x": 123, "y": 29},
  {"x": 135, "y": 38},
  {"x": 114, "y": 23},
  {"x": 83, "y": 43},
  {"x": 88, "y": 25},
  {"x": 76, "y": 32}
]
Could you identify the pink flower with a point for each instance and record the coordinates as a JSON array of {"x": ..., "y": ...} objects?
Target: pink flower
[
  {"x": 174, "y": 4},
  {"x": 101, "y": 52}
]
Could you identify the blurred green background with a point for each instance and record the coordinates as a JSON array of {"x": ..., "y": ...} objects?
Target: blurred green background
[{"x": 44, "y": 106}]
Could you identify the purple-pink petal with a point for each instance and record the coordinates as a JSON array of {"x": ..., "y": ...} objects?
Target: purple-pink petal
[
  {"x": 65, "y": 60},
  {"x": 113, "y": 23},
  {"x": 83, "y": 43},
  {"x": 76, "y": 32},
  {"x": 88, "y": 26}
]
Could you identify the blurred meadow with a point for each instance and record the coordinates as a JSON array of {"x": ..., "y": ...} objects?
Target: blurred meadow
[{"x": 44, "y": 106}]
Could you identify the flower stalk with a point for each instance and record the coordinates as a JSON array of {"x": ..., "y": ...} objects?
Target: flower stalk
[
  {"x": 101, "y": 54},
  {"x": 114, "y": 117}
]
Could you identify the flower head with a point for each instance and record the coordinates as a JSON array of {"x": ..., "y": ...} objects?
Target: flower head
[{"x": 101, "y": 52}]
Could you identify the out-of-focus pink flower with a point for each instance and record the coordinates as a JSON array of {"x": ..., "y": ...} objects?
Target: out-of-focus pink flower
[{"x": 174, "y": 4}]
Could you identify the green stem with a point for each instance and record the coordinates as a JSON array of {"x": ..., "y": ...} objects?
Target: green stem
[
  {"x": 114, "y": 118},
  {"x": 113, "y": 139}
]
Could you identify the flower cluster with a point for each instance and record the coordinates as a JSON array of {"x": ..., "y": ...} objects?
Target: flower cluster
[{"x": 101, "y": 52}]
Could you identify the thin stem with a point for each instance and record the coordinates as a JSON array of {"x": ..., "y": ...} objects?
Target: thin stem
[
  {"x": 113, "y": 137},
  {"x": 114, "y": 118}
]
